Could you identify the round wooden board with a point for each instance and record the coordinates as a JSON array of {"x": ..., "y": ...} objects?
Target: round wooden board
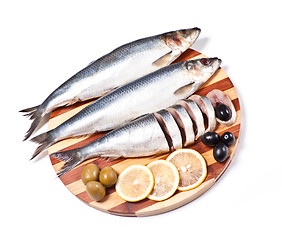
[{"x": 112, "y": 203}]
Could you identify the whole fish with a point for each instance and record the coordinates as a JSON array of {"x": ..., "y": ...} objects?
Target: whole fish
[
  {"x": 151, "y": 134},
  {"x": 147, "y": 94},
  {"x": 117, "y": 68}
]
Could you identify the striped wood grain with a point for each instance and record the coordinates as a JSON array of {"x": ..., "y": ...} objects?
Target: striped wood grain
[{"x": 112, "y": 203}]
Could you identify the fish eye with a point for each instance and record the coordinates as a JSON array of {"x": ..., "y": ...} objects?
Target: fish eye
[{"x": 205, "y": 61}]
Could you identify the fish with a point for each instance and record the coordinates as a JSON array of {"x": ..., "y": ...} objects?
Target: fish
[
  {"x": 152, "y": 134},
  {"x": 216, "y": 97},
  {"x": 196, "y": 115},
  {"x": 184, "y": 123},
  {"x": 121, "y": 66},
  {"x": 207, "y": 109},
  {"x": 170, "y": 129},
  {"x": 147, "y": 94}
]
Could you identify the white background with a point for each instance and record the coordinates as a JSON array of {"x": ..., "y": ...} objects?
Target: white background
[{"x": 44, "y": 43}]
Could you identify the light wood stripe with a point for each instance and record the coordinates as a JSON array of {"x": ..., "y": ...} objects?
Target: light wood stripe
[{"x": 109, "y": 202}]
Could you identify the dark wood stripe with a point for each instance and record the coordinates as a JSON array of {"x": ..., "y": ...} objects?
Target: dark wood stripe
[
  {"x": 62, "y": 110},
  {"x": 130, "y": 208},
  {"x": 215, "y": 169},
  {"x": 188, "y": 54},
  {"x": 236, "y": 104},
  {"x": 222, "y": 85}
]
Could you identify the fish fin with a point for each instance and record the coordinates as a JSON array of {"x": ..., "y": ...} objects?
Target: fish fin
[
  {"x": 109, "y": 157},
  {"x": 32, "y": 128},
  {"x": 71, "y": 158},
  {"x": 35, "y": 114},
  {"x": 140, "y": 117},
  {"x": 185, "y": 89},
  {"x": 166, "y": 59},
  {"x": 44, "y": 141},
  {"x": 29, "y": 112},
  {"x": 91, "y": 63}
]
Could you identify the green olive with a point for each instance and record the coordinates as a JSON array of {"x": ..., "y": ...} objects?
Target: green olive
[
  {"x": 108, "y": 176},
  {"x": 90, "y": 173},
  {"x": 95, "y": 190}
]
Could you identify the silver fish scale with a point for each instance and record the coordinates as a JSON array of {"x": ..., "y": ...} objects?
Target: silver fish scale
[
  {"x": 125, "y": 90},
  {"x": 123, "y": 52},
  {"x": 142, "y": 136}
]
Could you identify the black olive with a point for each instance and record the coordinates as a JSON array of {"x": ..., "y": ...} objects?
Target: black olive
[
  {"x": 222, "y": 112},
  {"x": 220, "y": 152},
  {"x": 227, "y": 138},
  {"x": 210, "y": 139}
]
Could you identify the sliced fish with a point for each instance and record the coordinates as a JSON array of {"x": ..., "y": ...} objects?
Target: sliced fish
[
  {"x": 216, "y": 97},
  {"x": 184, "y": 123},
  {"x": 196, "y": 115},
  {"x": 170, "y": 129},
  {"x": 207, "y": 109}
]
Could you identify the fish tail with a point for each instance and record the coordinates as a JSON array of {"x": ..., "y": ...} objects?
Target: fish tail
[
  {"x": 35, "y": 114},
  {"x": 71, "y": 158},
  {"x": 29, "y": 112},
  {"x": 44, "y": 140}
]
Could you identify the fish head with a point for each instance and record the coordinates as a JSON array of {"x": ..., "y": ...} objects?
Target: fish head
[
  {"x": 200, "y": 70},
  {"x": 181, "y": 40}
]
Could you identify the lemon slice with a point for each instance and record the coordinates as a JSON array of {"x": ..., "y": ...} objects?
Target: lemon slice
[
  {"x": 135, "y": 183},
  {"x": 166, "y": 179},
  {"x": 191, "y": 166}
]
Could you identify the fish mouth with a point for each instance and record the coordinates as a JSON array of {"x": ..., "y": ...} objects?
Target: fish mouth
[
  {"x": 211, "y": 62},
  {"x": 191, "y": 34},
  {"x": 216, "y": 62}
]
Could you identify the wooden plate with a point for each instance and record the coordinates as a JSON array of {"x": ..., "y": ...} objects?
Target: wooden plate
[{"x": 112, "y": 203}]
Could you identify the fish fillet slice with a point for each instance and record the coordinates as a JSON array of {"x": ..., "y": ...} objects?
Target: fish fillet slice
[
  {"x": 207, "y": 109},
  {"x": 170, "y": 129},
  {"x": 216, "y": 97},
  {"x": 196, "y": 115},
  {"x": 184, "y": 123}
]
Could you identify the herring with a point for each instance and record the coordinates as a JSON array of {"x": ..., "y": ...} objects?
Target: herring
[
  {"x": 122, "y": 65},
  {"x": 207, "y": 109},
  {"x": 147, "y": 94}
]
